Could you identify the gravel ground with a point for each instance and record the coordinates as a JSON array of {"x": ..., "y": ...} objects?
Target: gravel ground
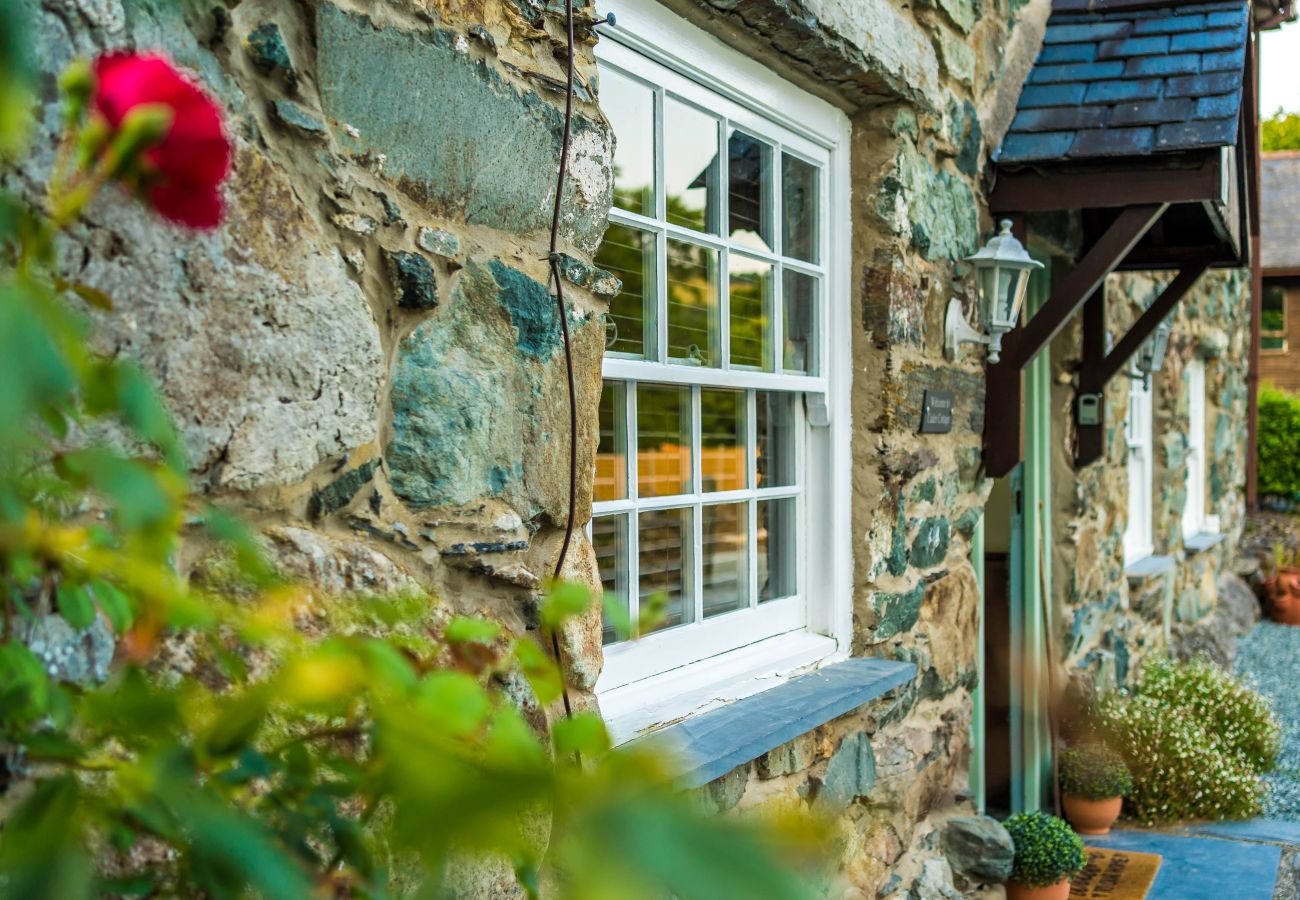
[{"x": 1271, "y": 655}]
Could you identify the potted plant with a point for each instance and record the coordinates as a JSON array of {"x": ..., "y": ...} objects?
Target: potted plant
[
  {"x": 1282, "y": 586},
  {"x": 1094, "y": 783},
  {"x": 1048, "y": 854}
]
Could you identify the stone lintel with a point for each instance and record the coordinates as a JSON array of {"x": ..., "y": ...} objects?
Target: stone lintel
[{"x": 715, "y": 742}]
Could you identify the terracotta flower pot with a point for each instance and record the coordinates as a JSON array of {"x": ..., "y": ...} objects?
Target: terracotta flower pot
[
  {"x": 1284, "y": 596},
  {"x": 1091, "y": 816},
  {"x": 1058, "y": 891}
]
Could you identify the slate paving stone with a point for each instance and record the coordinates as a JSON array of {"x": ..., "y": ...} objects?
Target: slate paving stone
[{"x": 1202, "y": 868}]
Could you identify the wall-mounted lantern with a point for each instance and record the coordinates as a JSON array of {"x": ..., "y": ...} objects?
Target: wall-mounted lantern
[
  {"x": 1002, "y": 270},
  {"x": 1150, "y": 357}
]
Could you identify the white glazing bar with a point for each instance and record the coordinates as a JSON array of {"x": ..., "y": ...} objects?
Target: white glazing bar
[
  {"x": 751, "y": 476},
  {"x": 633, "y": 548},
  {"x": 697, "y": 512}
]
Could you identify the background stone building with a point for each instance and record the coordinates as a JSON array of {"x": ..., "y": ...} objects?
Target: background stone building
[{"x": 367, "y": 361}]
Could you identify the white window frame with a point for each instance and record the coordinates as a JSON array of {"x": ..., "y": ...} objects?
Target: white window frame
[
  {"x": 668, "y": 674},
  {"x": 1194, "y": 511},
  {"x": 1139, "y": 432}
]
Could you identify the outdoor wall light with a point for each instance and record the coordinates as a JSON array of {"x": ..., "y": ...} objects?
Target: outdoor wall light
[
  {"x": 1151, "y": 355},
  {"x": 1002, "y": 270}
]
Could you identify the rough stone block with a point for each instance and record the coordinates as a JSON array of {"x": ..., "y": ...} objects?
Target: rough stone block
[
  {"x": 458, "y": 163},
  {"x": 267, "y": 51},
  {"x": 439, "y": 242},
  {"x": 339, "y": 493},
  {"x": 789, "y": 758},
  {"x": 300, "y": 119},
  {"x": 415, "y": 286},
  {"x": 933, "y": 206},
  {"x": 930, "y": 546},
  {"x": 851, "y": 773},
  {"x": 896, "y": 613},
  {"x": 979, "y": 848}
]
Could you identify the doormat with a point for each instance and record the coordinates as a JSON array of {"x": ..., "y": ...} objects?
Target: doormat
[{"x": 1115, "y": 875}]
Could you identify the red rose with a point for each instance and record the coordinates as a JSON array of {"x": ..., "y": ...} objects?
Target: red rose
[{"x": 182, "y": 173}]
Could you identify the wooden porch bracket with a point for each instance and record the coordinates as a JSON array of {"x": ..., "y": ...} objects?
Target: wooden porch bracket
[
  {"x": 1003, "y": 393},
  {"x": 1099, "y": 367}
]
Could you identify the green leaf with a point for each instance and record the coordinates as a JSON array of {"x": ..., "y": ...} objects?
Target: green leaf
[
  {"x": 115, "y": 604},
  {"x": 540, "y": 670},
  {"x": 616, "y": 617},
  {"x": 75, "y": 604},
  {"x": 25, "y": 689},
  {"x": 584, "y": 734},
  {"x": 138, "y": 494},
  {"x": 94, "y": 296},
  {"x": 566, "y": 600},
  {"x": 455, "y": 701},
  {"x": 41, "y": 853},
  {"x": 467, "y": 630},
  {"x": 239, "y": 719}
]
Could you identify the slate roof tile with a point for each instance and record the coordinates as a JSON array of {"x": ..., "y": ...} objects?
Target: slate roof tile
[
  {"x": 1131, "y": 82},
  {"x": 1113, "y": 142},
  {"x": 1170, "y": 64},
  {"x": 1279, "y": 198}
]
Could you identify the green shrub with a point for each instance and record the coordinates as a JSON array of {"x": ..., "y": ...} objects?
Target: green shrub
[
  {"x": 1278, "y": 437},
  {"x": 1240, "y": 718},
  {"x": 1047, "y": 849},
  {"x": 1095, "y": 772},
  {"x": 1195, "y": 739}
]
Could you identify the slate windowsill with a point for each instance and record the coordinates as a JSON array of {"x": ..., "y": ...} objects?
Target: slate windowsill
[
  {"x": 1149, "y": 567},
  {"x": 1199, "y": 543},
  {"x": 713, "y": 743}
]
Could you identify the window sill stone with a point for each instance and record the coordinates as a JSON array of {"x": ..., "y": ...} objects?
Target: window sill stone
[
  {"x": 1150, "y": 567},
  {"x": 714, "y": 742},
  {"x": 1199, "y": 543}
]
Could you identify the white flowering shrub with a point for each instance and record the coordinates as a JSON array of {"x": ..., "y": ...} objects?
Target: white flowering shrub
[{"x": 1196, "y": 740}]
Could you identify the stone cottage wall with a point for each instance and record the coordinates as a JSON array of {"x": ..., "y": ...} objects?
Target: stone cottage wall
[
  {"x": 366, "y": 362},
  {"x": 1105, "y": 621}
]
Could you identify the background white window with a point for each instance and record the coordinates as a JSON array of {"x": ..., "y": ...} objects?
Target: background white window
[
  {"x": 1194, "y": 511},
  {"x": 1272, "y": 322},
  {"x": 722, "y": 472},
  {"x": 1138, "y": 428}
]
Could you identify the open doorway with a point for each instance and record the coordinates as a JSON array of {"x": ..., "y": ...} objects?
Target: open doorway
[{"x": 1003, "y": 591}]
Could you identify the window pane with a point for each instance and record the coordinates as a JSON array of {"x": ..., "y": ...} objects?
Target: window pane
[
  {"x": 1272, "y": 343},
  {"x": 722, "y": 432},
  {"x": 665, "y": 561},
  {"x": 630, "y": 254},
  {"x": 776, "y": 549},
  {"x": 749, "y": 190},
  {"x": 799, "y": 322},
  {"x": 663, "y": 441},
  {"x": 630, "y": 107},
  {"x": 690, "y": 166},
  {"x": 1273, "y": 309},
  {"x": 692, "y": 304},
  {"x": 609, "y": 538},
  {"x": 611, "y": 454},
  {"x": 774, "y": 422},
  {"x": 726, "y": 567},
  {"x": 751, "y": 313},
  {"x": 799, "y": 216}
]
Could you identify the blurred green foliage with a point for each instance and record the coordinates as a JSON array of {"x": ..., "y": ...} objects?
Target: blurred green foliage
[
  {"x": 1281, "y": 131},
  {"x": 363, "y": 763},
  {"x": 1278, "y": 437}
]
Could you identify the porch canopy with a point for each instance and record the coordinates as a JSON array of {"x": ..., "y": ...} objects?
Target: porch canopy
[{"x": 1142, "y": 118}]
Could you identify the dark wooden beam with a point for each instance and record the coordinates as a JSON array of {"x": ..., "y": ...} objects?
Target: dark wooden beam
[
  {"x": 1097, "y": 371},
  {"x": 1091, "y": 438},
  {"x": 1156, "y": 313},
  {"x": 1003, "y": 391},
  {"x": 1100, "y": 260},
  {"x": 1048, "y": 189}
]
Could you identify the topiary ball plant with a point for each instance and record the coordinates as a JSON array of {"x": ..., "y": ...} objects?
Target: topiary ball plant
[
  {"x": 1095, "y": 772},
  {"x": 1047, "y": 849}
]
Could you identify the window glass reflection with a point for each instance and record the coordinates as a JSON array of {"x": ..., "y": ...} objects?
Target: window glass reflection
[
  {"x": 722, "y": 435},
  {"x": 774, "y": 421},
  {"x": 749, "y": 190},
  {"x": 691, "y": 170},
  {"x": 611, "y": 453},
  {"x": 777, "y": 575},
  {"x": 665, "y": 563},
  {"x": 630, "y": 255},
  {"x": 799, "y": 208},
  {"x": 663, "y": 441},
  {"x": 799, "y": 322},
  {"x": 750, "y": 313},
  {"x": 629, "y": 105},
  {"x": 693, "y": 322},
  {"x": 725, "y": 563},
  {"x": 609, "y": 539}
]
